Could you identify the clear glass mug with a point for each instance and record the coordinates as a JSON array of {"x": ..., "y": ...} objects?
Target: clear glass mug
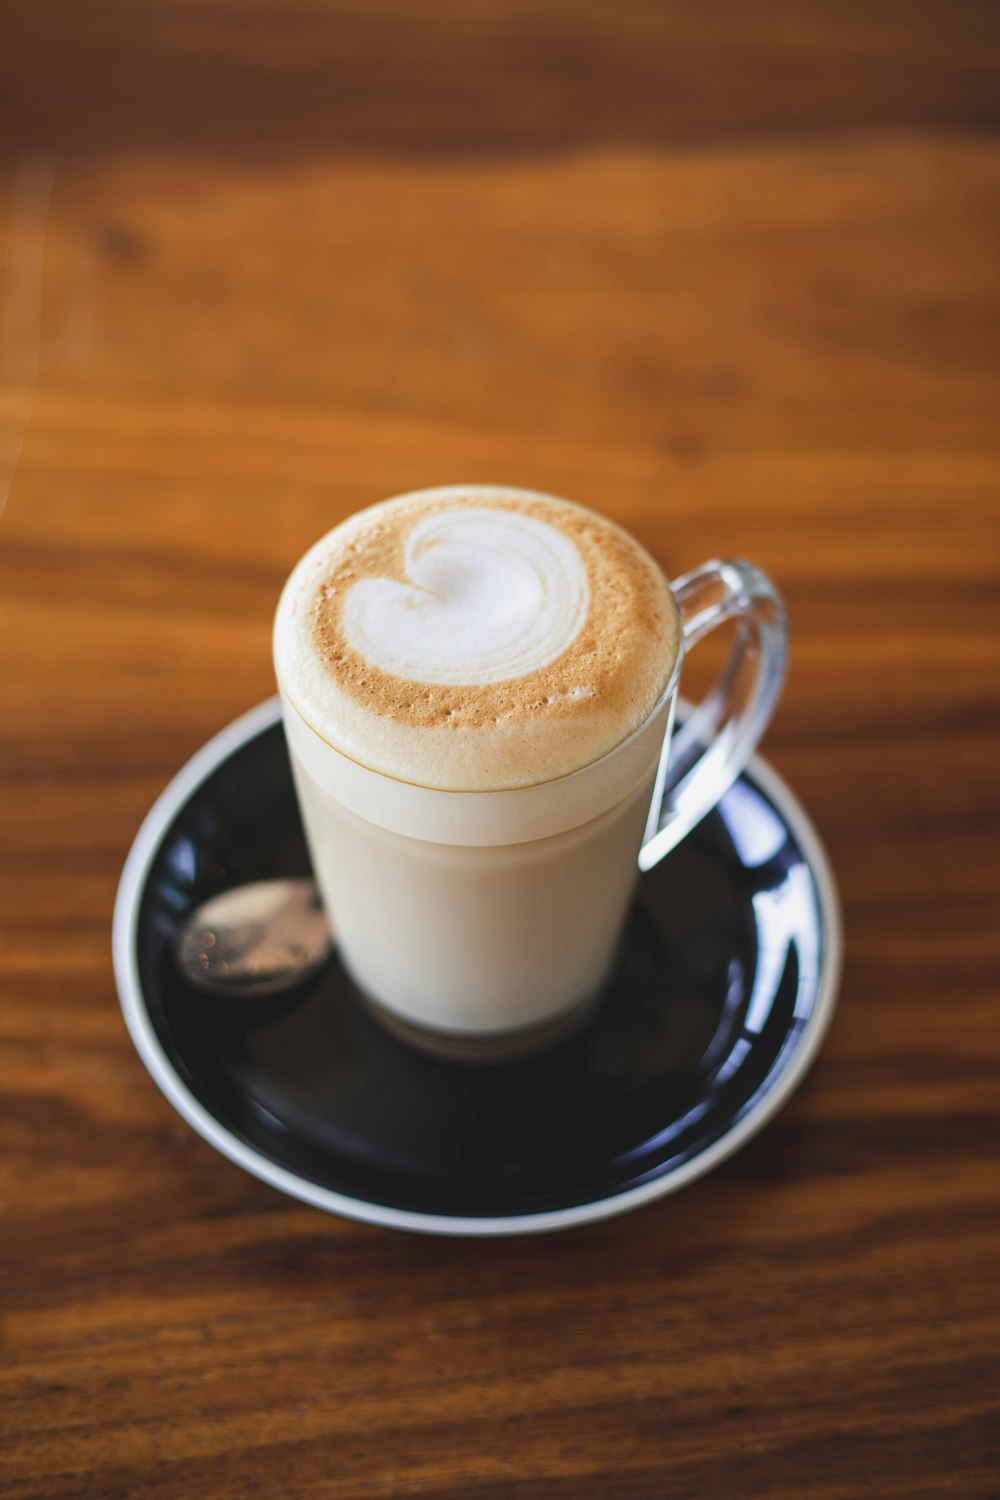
[{"x": 482, "y": 924}]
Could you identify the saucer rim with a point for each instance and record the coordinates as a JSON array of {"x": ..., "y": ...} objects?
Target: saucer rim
[{"x": 125, "y": 926}]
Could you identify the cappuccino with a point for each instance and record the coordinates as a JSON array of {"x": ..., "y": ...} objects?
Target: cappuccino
[{"x": 477, "y": 683}]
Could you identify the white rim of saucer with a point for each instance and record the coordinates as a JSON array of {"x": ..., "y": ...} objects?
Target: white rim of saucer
[{"x": 125, "y": 929}]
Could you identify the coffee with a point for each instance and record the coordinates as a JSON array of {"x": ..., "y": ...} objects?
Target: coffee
[
  {"x": 476, "y": 686},
  {"x": 476, "y": 639}
]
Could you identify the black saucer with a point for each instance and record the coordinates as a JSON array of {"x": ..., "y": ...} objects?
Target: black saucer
[{"x": 723, "y": 988}]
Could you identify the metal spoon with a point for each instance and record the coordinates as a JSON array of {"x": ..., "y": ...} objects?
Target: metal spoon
[{"x": 258, "y": 939}]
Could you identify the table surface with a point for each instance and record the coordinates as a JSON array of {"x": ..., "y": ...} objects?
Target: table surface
[{"x": 726, "y": 272}]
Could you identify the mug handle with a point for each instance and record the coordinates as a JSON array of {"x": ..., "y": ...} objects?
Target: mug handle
[{"x": 718, "y": 737}]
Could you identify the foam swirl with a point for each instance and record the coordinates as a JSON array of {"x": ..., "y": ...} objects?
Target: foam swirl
[{"x": 491, "y": 595}]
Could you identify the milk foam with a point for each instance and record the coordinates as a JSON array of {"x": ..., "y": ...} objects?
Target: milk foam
[
  {"x": 490, "y": 594},
  {"x": 475, "y": 638}
]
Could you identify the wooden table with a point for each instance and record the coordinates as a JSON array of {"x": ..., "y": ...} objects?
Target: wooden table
[{"x": 728, "y": 273}]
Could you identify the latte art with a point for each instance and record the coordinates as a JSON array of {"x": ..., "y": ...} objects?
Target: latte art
[
  {"x": 491, "y": 594},
  {"x": 474, "y": 639}
]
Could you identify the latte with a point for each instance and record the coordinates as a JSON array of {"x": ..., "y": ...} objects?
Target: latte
[
  {"x": 475, "y": 639},
  {"x": 478, "y": 688}
]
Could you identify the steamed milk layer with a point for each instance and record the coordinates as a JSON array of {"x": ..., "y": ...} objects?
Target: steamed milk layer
[{"x": 475, "y": 639}]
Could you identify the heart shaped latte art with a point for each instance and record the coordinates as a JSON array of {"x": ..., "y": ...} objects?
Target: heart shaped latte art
[{"x": 492, "y": 594}]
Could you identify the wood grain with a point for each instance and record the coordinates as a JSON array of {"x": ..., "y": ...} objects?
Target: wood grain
[{"x": 728, "y": 274}]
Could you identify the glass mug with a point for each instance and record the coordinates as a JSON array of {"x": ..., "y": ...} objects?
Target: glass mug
[{"x": 481, "y": 925}]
